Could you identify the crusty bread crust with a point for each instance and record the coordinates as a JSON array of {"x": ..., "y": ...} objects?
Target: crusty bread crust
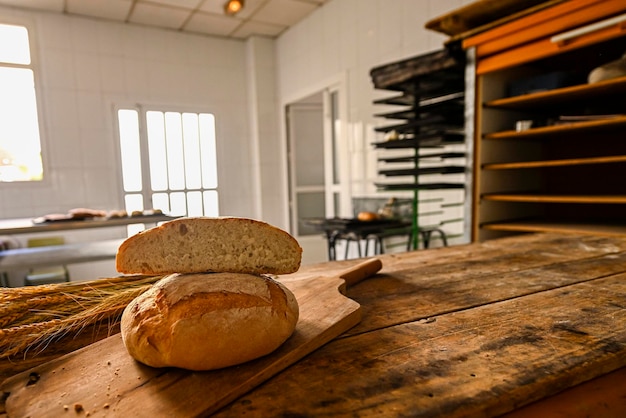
[
  {"x": 202, "y": 244},
  {"x": 208, "y": 321}
]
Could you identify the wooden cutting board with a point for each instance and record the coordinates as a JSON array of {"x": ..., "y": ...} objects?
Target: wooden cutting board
[{"x": 103, "y": 380}]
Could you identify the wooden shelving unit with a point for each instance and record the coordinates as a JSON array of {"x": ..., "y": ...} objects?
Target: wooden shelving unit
[{"x": 566, "y": 172}]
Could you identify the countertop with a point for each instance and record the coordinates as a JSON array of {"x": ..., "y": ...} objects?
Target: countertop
[{"x": 531, "y": 325}]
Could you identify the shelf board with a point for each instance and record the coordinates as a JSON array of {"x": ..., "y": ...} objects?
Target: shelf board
[
  {"x": 417, "y": 171},
  {"x": 586, "y": 126},
  {"x": 411, "y": 125},
  {"x": 546, "y": 198},
  {"x": 555, "y": 163},
  {"x": 431, "y": 121},
  {"x": 401, "y": 100},
  {"x": 402, "y": 115},
  {"x": 412, "y": 158},
  {"x": 558, "y": 226},
  {"x": 430, "y": 139},
  {"x": 452, "y": 97},
  {"x": 443, "y": 106},
  {"x": 543, "y": 99},
  {"x": 419, "y": 186},
  {"x": 436, "y": 65}
]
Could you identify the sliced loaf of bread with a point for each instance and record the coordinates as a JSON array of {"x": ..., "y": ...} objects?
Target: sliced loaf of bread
[{"x": 203, "y": 244}]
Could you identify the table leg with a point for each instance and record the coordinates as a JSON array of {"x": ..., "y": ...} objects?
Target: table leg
[{"x": 331, "y": 237}]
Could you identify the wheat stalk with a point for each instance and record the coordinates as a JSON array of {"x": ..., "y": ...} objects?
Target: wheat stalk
[
  {"x": 10, "y": 312},
  {"x": 29, "y": 292},
  {"x": 31, "y": 318}
]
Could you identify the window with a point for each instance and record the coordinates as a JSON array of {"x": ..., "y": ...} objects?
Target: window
[
  {"x": 20, "y": 147},
  {"x": 170, "y": 165}
]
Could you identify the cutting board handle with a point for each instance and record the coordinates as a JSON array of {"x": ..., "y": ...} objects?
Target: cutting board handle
[{"x": 361, "y": 271}]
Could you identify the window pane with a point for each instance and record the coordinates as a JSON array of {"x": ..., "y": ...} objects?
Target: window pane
[
  {"x": 20, "y": 149},
  {"x": 194, "y": 204},
  {"x": 133, "y": 202},
  {"x": 14, "y": 46},
  {"x": 180, "y": 158},
  {"x": 161, "y": 201},
  {"x": 129, "y": 145},
  {"x": 178, "y": 204},
  {"x": 174, "y": 141},
  {"x": 207, "y": 150},
  {"x": 211, "y": 204},
  {"x": 191, "y": 142},
  {"x": 156, "y": 148}
]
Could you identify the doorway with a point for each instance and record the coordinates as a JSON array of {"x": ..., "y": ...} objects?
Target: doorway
[{"x": 317, "y": 167}]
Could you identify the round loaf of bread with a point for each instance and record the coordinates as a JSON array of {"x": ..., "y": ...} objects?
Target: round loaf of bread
[
  {"x": 208, "y": 321},
  {"x": 367, "y": 216},
  {"x": 203, "y": 244}
]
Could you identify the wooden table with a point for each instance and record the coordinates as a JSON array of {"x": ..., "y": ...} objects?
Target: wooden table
[
  {"x": 476, "y": 330},
  {"x": 528, "y": 326}
]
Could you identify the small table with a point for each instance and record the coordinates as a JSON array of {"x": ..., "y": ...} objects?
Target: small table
[{"x": 351, "y": 229}]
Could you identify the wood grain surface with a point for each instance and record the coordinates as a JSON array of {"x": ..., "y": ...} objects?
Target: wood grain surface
[
  {"x": 103, "y": 380},
  {"x": 479, "y": 330}
]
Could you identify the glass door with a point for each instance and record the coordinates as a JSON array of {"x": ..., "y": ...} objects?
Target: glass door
[{"x": 317, "y": 155}]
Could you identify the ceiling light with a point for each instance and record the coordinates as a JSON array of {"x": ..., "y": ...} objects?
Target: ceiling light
[{"x": 232, "y": 7}]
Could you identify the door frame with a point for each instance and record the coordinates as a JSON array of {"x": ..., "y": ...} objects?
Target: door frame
[{"x": 338, "y": 83}]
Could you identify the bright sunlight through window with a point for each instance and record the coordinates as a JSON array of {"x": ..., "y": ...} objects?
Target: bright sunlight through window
[
  {"x": 20, "y": 147},
  {"x": 173, "y": 167}
]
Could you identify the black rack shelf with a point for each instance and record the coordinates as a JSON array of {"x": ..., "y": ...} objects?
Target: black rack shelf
[
  {"x": 433, "y": 94},
  {"x": 419, "y": 186},
  {"x": 418, "y": 171},
  {"x": 429, "y": 139},
  {"x": 439, "y": 155}
]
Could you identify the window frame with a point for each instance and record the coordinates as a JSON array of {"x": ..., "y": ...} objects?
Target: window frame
[
  {"x": 35, "y": 67},
  {"x": 142, "y": 108}
]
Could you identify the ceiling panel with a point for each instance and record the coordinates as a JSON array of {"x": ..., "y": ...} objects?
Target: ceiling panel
[
  {"x": 52, "y": 5},
  {"x": 107, "y": 9},
  {"x": 209, "y": 24},
  {"x": 284, "y": 12},
  {"x": 186, "y": 4},
  {"x": 158, "y": 15},
  {"x": 259, "y": 17},
  {"x": 258, "y": 28}
]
